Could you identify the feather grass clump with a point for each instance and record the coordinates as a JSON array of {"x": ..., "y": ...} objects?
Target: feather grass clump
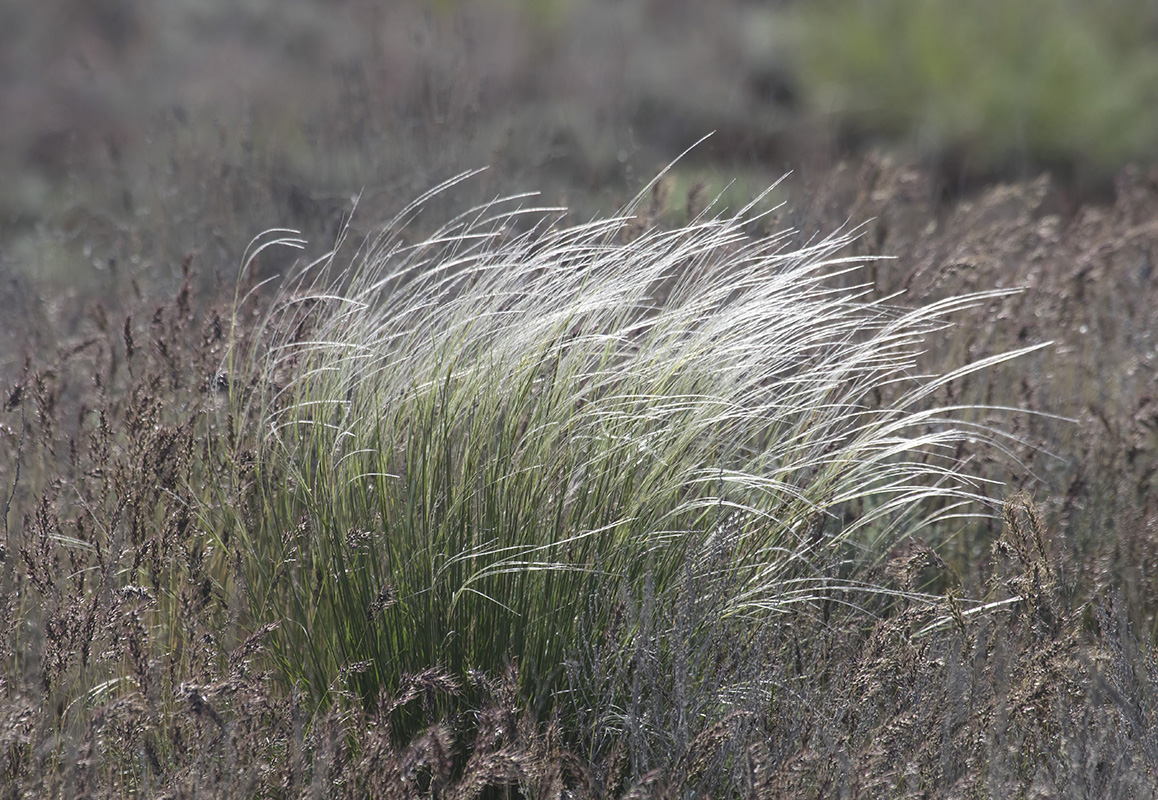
[{"x": 466, "y": 436}]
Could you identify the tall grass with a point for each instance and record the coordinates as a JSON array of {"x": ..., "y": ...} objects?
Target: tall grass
[{"x": 464, "y": 438}]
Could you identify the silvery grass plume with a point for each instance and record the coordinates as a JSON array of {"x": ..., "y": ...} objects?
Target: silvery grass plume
[{"x": 465, "y": 436}]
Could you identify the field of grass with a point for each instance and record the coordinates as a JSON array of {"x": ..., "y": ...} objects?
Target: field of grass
[{"x": 847, "y": 493}]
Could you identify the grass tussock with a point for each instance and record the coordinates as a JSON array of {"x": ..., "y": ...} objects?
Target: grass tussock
[{"x": 462, "y": 439}]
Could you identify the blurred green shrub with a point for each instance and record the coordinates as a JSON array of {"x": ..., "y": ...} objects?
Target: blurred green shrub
[{"x": 995, "y": 83}]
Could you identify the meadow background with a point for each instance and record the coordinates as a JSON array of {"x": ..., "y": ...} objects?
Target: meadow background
[{"x": 984, "y": 146}]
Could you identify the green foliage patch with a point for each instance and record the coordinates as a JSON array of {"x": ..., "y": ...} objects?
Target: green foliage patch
[{"x": 996, "y": 83}]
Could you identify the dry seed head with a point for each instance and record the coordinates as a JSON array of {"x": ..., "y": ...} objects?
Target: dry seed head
[
  {"x": 695, "y": 203},
  {"x": 127, "y": 334},
  {"x": 385, "y": 598}
]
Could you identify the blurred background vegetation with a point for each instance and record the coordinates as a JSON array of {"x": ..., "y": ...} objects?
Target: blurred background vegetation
[
  {"x": 197, "y": 124},
  {"x": 990, "y": 86}
]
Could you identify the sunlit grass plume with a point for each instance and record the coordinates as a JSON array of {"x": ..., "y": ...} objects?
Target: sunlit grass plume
[{"x": 463, "y": 437}]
